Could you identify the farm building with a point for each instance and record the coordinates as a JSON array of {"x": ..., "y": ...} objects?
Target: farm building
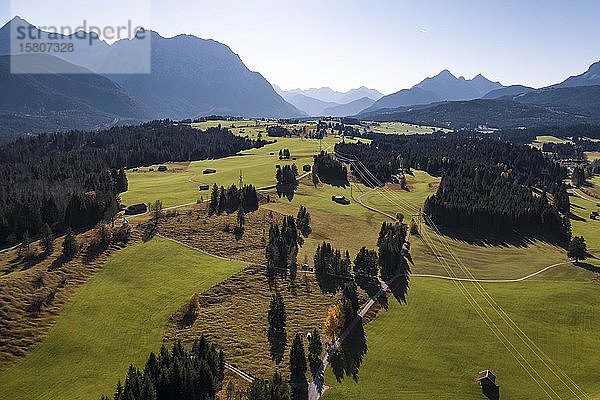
[
  {"x": 306, "y": 168},
  {"x": 136, "y": 209},
  {"x": 162, "y": 168},
  {"x": 340, "y": 200},
  {"x": 203, "y": 187},
  {"x": 209, "y": 171},
  {"x": 486, "y": 378}
]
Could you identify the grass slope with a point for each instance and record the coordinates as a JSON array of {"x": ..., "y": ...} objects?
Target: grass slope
[
  {"x": 116, "y": 319},
  {"x": 353, "y": 226},
  {"x": 256, "y": 165},
  {"x": 432, "y": 349}
]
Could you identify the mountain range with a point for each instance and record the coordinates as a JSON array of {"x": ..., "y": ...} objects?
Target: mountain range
[
  {"x": 189, "y": 77},
  {"x": 442, "y": 87},
  {"x": 328, "y": 102},
  {"x": 447, "y": 101},
  {"x": 95, "y": 87}
]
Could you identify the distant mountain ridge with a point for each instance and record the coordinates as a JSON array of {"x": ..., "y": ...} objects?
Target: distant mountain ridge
[
  {"x": 349, "y": 109},
  {"x": 550, "y": 106},
  {"x": 589, "y": 78},
  {"x": 328, "y": 102},
  {"x": 329, "y": 95},
  {"x": 57, "y": 101},
  {"x": 189, "y": 77},
  {"x": 441, "y": 87}
]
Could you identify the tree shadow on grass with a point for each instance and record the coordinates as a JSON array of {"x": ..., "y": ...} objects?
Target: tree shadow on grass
[
  {"x": 372, "y": 287},
  {"x": 346, "y": 361},
  {"x": 492, "y": 392},
  {"x": 299, "y": 390},
  {"x": 516, "y": 238},
  {"x": 588, "y": 267}
]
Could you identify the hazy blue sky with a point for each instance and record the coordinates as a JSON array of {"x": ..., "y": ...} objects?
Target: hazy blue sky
[{"x": 386, "y": 44}]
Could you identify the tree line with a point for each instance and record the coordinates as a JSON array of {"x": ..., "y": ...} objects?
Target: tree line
[
  {"x": 232, "y": 199},
  {"x": 329, "y": 170},
  {"x": 178, "y": 374},
  {"x": 74, "y": 178},
  {"x": 286, "y": 180}
]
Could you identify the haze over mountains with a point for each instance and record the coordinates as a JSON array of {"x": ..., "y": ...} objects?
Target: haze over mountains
[
  {"x": 442, "y": 87},
  {"x": 328, "y": 102},
  {"x": 192, "y": 77}
]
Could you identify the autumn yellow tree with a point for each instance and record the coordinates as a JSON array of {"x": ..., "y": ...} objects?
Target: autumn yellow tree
[{"x": 334, "y": 321}]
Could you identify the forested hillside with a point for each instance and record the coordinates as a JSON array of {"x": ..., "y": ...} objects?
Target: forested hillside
[
  {"x": 486, "y": 184},
  {"x": 65, "y": 179}
]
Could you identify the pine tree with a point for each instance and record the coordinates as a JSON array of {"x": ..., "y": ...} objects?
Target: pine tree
[
  {"x": 47, "y": 239},
  {"x": 241, "y": 219},
  {"x": 297, "y": 360},
  {"x": 276, "y": 334},
  {"x": 577, "y": 249},
  {"x": 70, "y": 247},
  {"x": 25, "y": 246},
  {"x": 214, "y": 199},
  {"x": 315, "y": 350},
  {"x": 365, "y": 264},
  {"x": 279, "y": 390}
]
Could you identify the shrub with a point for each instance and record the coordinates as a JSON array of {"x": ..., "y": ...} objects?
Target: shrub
[{"x": 35, "y": 306}]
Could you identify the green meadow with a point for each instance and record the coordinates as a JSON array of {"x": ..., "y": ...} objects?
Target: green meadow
[
  {"x": 115, "y": 319},
  {"x": 434, "y": 346}
]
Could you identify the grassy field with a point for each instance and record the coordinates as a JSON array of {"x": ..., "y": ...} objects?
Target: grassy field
[
  {"x": 581, "y": 222},
  {"x": 257, "y": 167},
  {"x": 115, "y": 319},
  {"x": 593, "y": 155},
  {"x": 551, "y": 139},
  {"x": 353, "y": 226},
  {"x": 248, "y": 294},
  {"x": 402, "y": 128},
  {"x": 433, "y": 349}
]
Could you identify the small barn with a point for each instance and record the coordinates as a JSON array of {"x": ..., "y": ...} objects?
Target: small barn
[
  {"x": 306, "y": 168},
  {"x": 136, "y": 209},
  {"x": 486, "y": 378},
  {"x": 162, "y": 168},
  {"x": 203, "y": 187},
  {"x": 340, "y": 200},
  {"x": 209, "y": 171}
]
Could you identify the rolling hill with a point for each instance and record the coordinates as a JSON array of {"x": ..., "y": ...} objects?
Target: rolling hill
[{"x": 543, "y": 107}]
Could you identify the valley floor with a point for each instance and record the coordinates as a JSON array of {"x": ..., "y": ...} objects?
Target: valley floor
[{"x": 431, "y": 347}]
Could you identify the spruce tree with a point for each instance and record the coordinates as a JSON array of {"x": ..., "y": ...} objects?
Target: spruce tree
[
  {"x": 297, "y": 360},
  {"x": 47, "y": 239},
  {"x": 70, "y": 248},
  {"x": 577, "y": 249},
  {"x": 276, "y": 334},
  {"x": 315, "y": 350}
]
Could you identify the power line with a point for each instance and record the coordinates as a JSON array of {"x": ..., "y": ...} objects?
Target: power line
[{"x": 371, "y": 179}]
